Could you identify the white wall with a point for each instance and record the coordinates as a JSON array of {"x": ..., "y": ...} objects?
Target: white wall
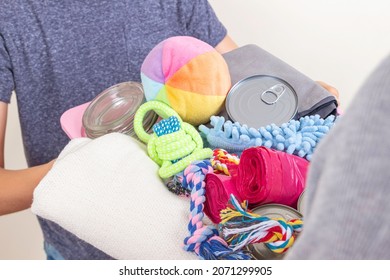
[
  {"x": 337, "y": 41},
  {"x": 20, "y": 235}
]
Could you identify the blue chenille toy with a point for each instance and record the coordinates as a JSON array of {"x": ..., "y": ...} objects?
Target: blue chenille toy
[{"x": 298, "y": 137}]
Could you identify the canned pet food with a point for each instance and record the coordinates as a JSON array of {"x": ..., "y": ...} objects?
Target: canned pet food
[
  {"x": 301, "y": 204},
  {"x": 260, "y": 251},
  {"x": 113, "y": 110},
  {"x": 261, "y": 100}
]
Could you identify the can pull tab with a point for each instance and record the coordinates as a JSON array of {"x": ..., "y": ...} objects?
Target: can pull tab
[{"x": 272, "y": 95}]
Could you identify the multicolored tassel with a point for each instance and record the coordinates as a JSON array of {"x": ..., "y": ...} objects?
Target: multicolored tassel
[{"x": 240, "y": 227}]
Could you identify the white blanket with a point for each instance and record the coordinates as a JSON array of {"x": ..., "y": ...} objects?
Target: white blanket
[{"x": 107, "y": 192}]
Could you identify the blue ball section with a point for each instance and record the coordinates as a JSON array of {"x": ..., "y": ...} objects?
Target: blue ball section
[
  {"x": 298, "y": 137},
  {"x": 151, "y": 88}
]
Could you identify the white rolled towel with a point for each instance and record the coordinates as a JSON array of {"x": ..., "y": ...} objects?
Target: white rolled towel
[{"x": 107, "y": 192}]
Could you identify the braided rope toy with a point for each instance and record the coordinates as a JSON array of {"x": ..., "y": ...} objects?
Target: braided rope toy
[
  {"x": 204, "y": 240},
  {"x": 222, "y": 159},
  {"x": 298, "y": 137},
  {"x": 240, "y": 228},
  {"x": 174, "y": 151}
]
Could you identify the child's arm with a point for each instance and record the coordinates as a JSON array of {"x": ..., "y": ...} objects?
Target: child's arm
[{"x": 16, "y": 186}]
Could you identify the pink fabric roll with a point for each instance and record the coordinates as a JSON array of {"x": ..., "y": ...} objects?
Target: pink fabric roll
[
  {"x": 269, "y": 176},
  {"x": 218, "y": 190}
]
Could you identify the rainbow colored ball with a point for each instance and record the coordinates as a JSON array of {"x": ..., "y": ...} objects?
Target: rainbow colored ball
[{"x": 189, "y": 75}]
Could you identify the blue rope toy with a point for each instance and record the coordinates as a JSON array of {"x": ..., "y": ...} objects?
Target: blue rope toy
[{"x": 298, "y": 137}]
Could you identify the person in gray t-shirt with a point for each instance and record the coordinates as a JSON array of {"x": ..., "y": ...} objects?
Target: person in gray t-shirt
[
  {"x": 59, "y": 54},
  {"x": 346, "y": 213}
]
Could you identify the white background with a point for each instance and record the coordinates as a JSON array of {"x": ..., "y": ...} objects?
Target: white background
[
  {"x": 217, "y": 269},
  {"x": 337, "y": 41}
]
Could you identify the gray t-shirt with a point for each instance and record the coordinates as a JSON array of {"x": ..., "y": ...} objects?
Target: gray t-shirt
[
  {"x": 346, "y": 214},
  {"x": 59, "y": 54}
]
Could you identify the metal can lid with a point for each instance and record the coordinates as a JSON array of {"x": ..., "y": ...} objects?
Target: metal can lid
[
  {"x": 261, "y": 100},
  {"x": 259, "y": 250},
  {"x": 301, "y": 203}
]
